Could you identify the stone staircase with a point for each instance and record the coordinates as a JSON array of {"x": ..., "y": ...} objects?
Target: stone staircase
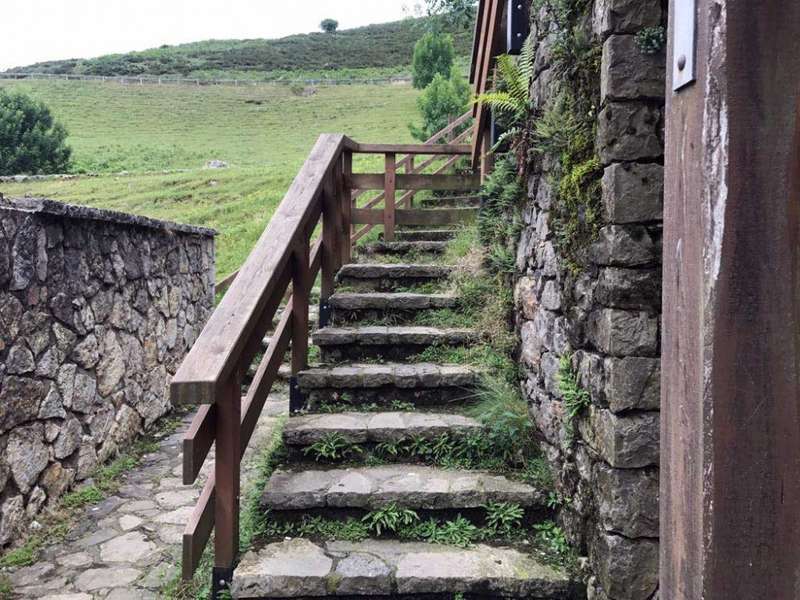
[{"x": 371, "y": 391}]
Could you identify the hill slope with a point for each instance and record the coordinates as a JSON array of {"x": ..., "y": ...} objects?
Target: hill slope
[
  {"x": 264, "y": 133},
  {"x": 388, "y": 45}
]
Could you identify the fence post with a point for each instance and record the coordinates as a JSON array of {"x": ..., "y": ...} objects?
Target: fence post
[
  {"x": 389, "y": 190},
  {"x": 346, "y": 199},
  {"x": 331, "y": 218},
  {"x": 301, "y": 290},
  {"x": 226, "y": 473}
]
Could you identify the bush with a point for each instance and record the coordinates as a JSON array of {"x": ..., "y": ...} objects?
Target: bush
[
  {"x": 444, "y": 99},
  {"x": 31, "y": 142},
  {"x": 329, "y": 25},
  {"x": 433, "y": 55}
]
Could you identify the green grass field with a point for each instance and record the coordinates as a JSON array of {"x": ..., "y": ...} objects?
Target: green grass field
[{"x": 264, "y": 133}]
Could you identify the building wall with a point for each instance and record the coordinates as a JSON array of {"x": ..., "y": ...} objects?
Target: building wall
[
  {"x": 605, "y": 315},
  {"x": 97, "y": 310}
]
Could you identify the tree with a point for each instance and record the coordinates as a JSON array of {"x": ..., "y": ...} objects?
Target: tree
[
  {"x": 444, "y": 99},
  {"x": 460, "y": 12},
  {"x": 329, "y": 25},
  {"x": 31, "y": 142},
  {"x": 434, "y": 54}
]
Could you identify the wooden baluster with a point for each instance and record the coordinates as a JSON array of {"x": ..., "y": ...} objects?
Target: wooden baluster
[
  {"x": 410, "y": 171},
  {"x": 346, "y": 200},
  {"x": 226, "y": 473},
  {"x": 301, "y": 290},
  {"x": 331, "y": 217},
  {"x": 389, "y": 198}
]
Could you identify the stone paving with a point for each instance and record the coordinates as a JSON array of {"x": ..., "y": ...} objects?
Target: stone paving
[{"x": 129, "y": 546}]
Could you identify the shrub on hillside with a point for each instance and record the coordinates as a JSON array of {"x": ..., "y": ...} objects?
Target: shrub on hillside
[
  {"x": 31, "y": 142},
  {"x": 329, "y": 25},
  {"x": 444, "y": 99},
  {"x": 433, "y": 55}
]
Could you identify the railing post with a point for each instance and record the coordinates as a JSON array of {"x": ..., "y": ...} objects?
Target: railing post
[
  {"x": 346, "y": 199},
  {"x": 389, "y": 198},
  {"x": 410, "y": 171},
  {"x": 226, "y": 472},
  {"x": 331, "y": 236},
  {"x": 487, "y": 158},
  {"x": 301, "y": 290}
]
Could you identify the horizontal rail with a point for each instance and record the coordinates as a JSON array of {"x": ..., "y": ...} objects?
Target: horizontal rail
[
  {"x": 413, "y": 216},
  {"x": 413, "y": 149},
  {"x": 454, "y": 183}
]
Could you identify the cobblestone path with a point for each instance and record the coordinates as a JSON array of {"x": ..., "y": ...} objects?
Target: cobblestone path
[{"x": 129, "y": 546}]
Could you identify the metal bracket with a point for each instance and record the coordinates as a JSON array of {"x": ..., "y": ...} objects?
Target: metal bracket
[
  {"x": 684, "y": 43},
  {"x": 220, "y": 582},
  {"x": 325, "y": 313},
  {"x": 297, "y": 400}
]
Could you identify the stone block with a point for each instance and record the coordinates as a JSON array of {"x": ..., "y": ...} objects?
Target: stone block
[
  {"x": 633, "y": 192},
  {"x": 625, "y": 16},
  {"x": 633, "y": 383},
  {"x": 626, "y": 569},
  {"x": 627, "y": 500},
  {"x": 629, "y": 74},
  {"x": 623, "y": 333},
  {"x": 624, "y": 246},
  {"x": 629, "y": 131},
  {"x": 624, "y": 442},
  {"x": 633, "y": 289}
]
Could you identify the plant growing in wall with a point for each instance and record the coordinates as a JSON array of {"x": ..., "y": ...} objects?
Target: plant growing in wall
[{"x": 510, "y": 100}]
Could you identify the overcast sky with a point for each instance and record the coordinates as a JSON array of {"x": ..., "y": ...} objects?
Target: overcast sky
[{"x": 37, "y": 30}]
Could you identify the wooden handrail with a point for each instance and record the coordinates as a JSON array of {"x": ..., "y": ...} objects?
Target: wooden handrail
[{"x": 284, "y": 259}]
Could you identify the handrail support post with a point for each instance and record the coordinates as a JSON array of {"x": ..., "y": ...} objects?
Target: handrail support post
[{"x": 389, "y": 197}]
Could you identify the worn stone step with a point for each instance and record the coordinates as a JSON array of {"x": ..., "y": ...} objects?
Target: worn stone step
[
  {"x": 299, "y": 568},
  {"x": 339, "y": 344},
  {"x": 391, "y": 277},
  {"x": 372, "y": 428},
  {"x": 400, "y": 248},
  {"x": 411, "y": 486},
  {"x": 433, "y": 235},
  {"x": 400, "y": 307},
  {"x": 385, "y": 385}
]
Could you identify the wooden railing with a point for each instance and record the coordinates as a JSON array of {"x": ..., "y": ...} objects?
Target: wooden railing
[
  {"x": 284, "y": 263},
  {"x": 448, "y": 135},
  {"x": 486, "y": 47}
]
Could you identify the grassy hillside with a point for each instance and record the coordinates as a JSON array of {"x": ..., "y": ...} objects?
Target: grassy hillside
[
  {"x": 384, "y": 46},
  {"x": 264, "y": 134}
]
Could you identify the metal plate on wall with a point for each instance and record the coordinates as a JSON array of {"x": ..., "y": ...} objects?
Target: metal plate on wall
[{"x": 684, "y": 43}]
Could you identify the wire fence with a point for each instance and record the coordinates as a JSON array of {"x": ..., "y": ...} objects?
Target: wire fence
[{"x": 193, "y": 81}]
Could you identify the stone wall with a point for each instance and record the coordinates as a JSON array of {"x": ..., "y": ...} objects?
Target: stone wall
[
  {"x": 97, "y": 310},
  {"x": 605, "y": 316}
]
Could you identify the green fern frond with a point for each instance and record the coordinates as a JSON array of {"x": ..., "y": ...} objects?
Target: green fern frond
[
  {"x": 506, "y": 136},
  {"x": 527, "y": 59},
  {"x": 502, "y": 102}
]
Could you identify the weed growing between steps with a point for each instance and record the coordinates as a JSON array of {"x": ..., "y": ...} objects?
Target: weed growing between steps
[
  {"x": 57, "y": 523},
  {"x": 346, "y": 403},
  {"x": 502, "y": 523}
]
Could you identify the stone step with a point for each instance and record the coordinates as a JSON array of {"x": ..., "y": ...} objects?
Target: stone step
[
  {"x": 433, "y": 235},
  {"x": 339, "y": 344},
  {"x": 384, "y": 385},
  {"x": 400, "y": 248},
  {"x": 450, "y": 201},
  {"x": 374, "y": 428},
  {"x": 391, "y": 277},
  {"x": 400, "y": 307},
  {"x": 299, "y": 568},
  {"x": 411, "y": 486}
]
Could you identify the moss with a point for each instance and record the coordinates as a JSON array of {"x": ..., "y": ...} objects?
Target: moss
[{"x": 577, "y": 214}]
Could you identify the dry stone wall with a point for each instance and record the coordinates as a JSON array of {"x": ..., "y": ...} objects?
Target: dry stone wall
[
  {"x": 605, "y": 315},
  {"x": 97, "y": 310}
]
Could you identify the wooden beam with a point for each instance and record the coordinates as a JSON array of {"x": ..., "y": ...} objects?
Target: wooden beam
[
  {"x": 730, "y": 409},
  {"x": 416, "y": 216},
  {"x": 197, "y": 442},
  {"x": 301, "y": 290},
  {"x": 453, "y": 183},
  {"x": 227, "y": 473},
  {"x": 414, "y": 149},
  {"x": 493, "y": 26},
  {"x": 389, "y": 208},
  {"x": 198, "y": 530},
  {"x": 217, "y": 352}
]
